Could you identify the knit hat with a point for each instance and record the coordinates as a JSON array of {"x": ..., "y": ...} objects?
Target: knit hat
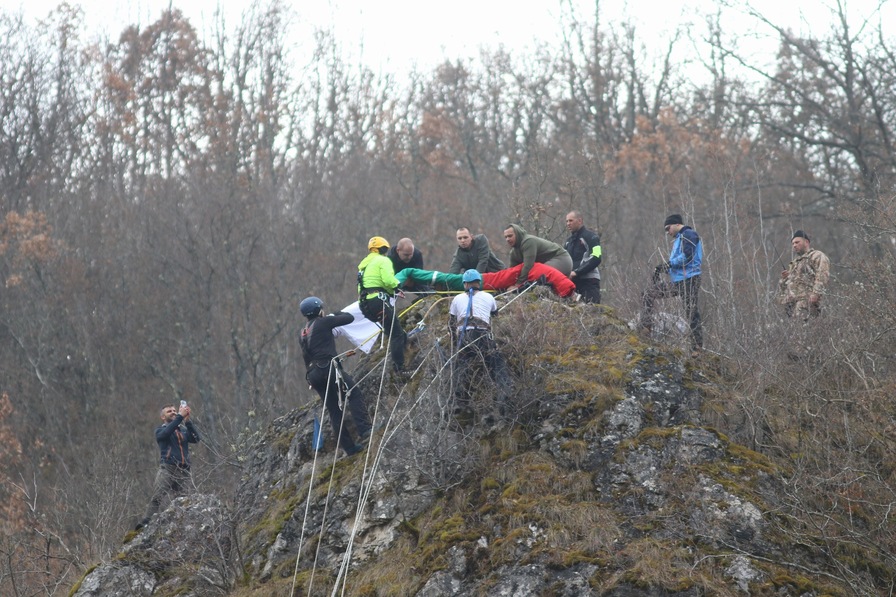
[
  {"x": 673, "y": 219},
  {"x": 800, "y": 234}
]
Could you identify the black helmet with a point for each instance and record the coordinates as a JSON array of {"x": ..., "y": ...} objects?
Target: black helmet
[{"x": 311, "y": 306}]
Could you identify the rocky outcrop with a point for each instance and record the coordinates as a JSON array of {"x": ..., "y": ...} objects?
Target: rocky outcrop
[
  {"x": 605, "y": 482},
  {"x": 185, "y": 550},
  {"x": 654, "y": 470}
]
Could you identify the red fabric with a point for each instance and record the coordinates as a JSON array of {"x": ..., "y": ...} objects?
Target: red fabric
[{"x": 506, "y": 278}]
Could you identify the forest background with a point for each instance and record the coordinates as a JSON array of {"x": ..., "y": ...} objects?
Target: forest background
[{"x": 168, "y": 199}]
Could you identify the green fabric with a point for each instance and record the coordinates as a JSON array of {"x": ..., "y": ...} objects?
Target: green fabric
[{"x": 431, "y": 278}]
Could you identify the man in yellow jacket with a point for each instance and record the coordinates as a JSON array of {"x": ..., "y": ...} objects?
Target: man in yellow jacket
[{"x": 377, "y": 286}]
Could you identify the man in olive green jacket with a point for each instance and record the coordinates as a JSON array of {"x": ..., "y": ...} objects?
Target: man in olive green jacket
[{"x": 528, "y": 250}]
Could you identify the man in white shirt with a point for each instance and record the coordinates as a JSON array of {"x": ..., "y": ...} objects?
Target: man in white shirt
[{"x": 469, "y": 321}]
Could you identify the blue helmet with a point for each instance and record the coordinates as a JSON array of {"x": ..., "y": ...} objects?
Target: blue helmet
[
  {"x": 471, "y": 275},
  {"x": 311, "y": 306}
]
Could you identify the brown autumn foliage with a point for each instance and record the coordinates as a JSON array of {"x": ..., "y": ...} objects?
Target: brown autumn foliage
[
  {"x": 167, "y": 200},
  {"x": 13, "y": 509}
]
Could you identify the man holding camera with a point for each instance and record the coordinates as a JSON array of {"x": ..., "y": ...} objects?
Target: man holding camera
[{"x": 174, "y": 439}]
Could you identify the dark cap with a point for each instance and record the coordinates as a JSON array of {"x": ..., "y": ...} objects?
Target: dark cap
[
  {"x": 800, "y": 234},
  {"x": 673, "y": 219}
]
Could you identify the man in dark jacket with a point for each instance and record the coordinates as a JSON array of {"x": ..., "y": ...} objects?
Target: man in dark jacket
[
  {"x": 684, "y": 268},
  {"x": 474, "y": 252},
  {"x": 173, "y": 477},
  {"x": 325, "y": 374},
  {"x": 583, "y": 246},
  {"x": 405, "y": 254}
]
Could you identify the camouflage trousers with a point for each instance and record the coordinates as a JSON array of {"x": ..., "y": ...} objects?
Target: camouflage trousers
[{"x": 802, "y": 309}]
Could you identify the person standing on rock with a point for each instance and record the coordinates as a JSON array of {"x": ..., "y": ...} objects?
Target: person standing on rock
[
  {"x": 684, "y": 270},
  {"x": 803, "y": 282},
  {"x": 377, "y": 288},
  {"x": 583, "y": 247},
  {"x": 470, "y": 326},
  {"x": 174, "y": 437},
  {"x": 325, "y": 374}
]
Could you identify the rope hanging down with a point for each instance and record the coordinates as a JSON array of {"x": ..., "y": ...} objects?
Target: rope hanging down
[{"x": 372, "y": 459}]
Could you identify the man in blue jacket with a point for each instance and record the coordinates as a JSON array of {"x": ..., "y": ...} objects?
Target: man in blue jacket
[
  {"x": 173, "y": 477},
  {"x": 683, "y": 268}
]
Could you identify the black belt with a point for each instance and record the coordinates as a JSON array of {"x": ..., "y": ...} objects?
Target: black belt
[
  {"x": 367, "y": 291},
  {"x": 474, "y": 331}
]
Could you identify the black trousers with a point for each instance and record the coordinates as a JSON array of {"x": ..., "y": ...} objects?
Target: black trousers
[
  {"x": 689, "y": 290},
  {"x": 589, "y": 288},
  {"x": 478, "y": 347},
  {"x": 379, "y": 311},
  {"x": 325, "y": 382}
]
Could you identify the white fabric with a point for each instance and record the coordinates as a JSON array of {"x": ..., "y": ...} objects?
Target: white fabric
[
  {"x": 483, "y": 306},
  {"x": 362, "y": 332}
]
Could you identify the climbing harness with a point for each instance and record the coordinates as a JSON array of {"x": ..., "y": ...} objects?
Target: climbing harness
[{"x": 373, "y": 458}]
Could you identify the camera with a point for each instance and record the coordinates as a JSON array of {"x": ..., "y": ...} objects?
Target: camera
[{"x": 183, "y": 403}]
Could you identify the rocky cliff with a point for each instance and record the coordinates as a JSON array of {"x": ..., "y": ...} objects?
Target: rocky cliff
[{"x": 601, "y": 478}]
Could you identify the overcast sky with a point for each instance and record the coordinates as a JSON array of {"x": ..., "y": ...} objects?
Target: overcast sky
[{"x": 395, "y": 35}]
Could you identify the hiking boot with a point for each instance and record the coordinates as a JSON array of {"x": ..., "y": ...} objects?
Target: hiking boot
[
  {"x": 364, "y": 438},
  {"x": 524, "y": 287},
  {"x": 400, "y": 373},
  {"x": 352, "y": 450}
]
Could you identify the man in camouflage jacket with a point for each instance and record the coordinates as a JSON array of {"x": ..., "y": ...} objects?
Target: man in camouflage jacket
[{"x": 802, "y": 283}]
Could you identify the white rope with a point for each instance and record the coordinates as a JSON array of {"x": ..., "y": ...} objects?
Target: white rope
[
  {"x": 333, "y": 468},
  {"x": 308, "y": 498},
  {"x": 311, "y": 479},
  {"x": 372, "y": 459},
  {"x": 519, "y": 294},
  {"x": 367, "y": 480},
  {"x": 364, "y": 491}
]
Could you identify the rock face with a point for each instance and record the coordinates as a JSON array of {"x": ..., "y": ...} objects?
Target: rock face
[
  {"x": 604, "y": 482},
  {"x": 187, "y": 549}
]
